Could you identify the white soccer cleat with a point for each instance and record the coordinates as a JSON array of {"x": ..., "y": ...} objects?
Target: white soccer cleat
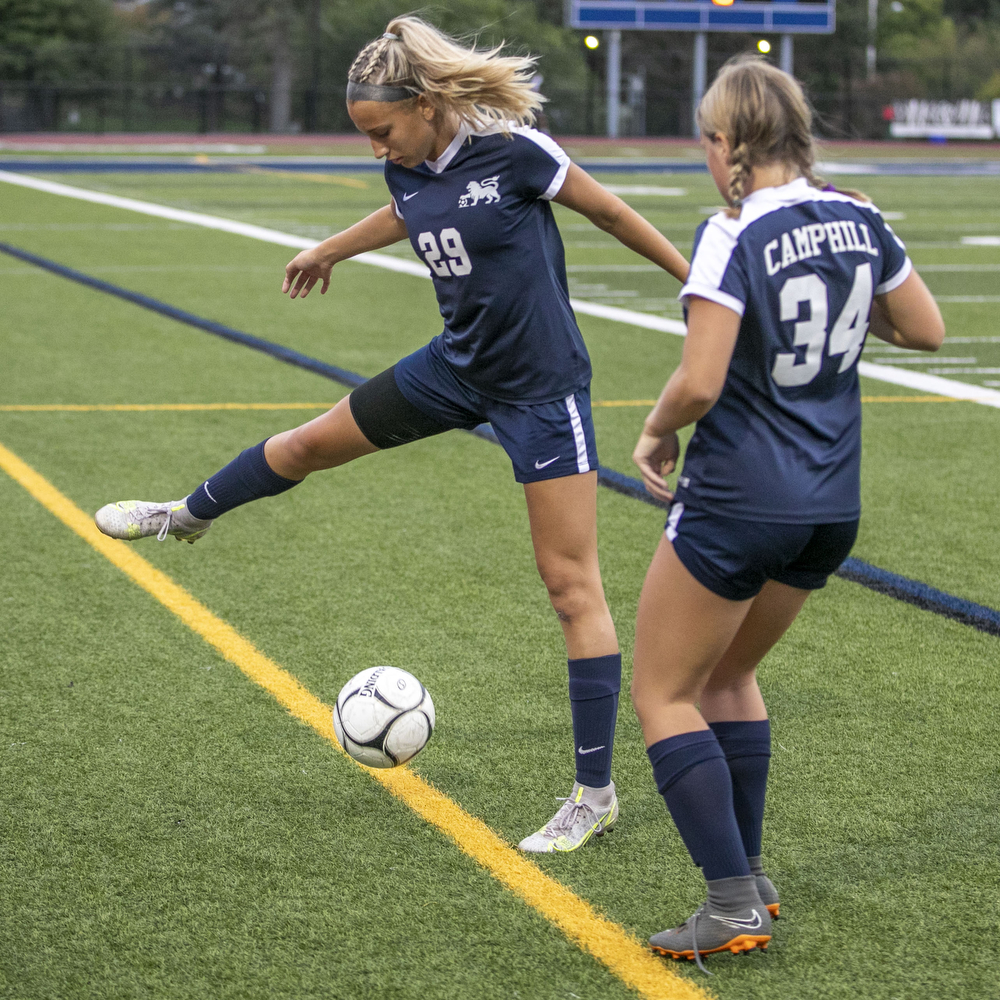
[
  {"x": 575, "y": 823},
  {"x": 132, "y": 519}
]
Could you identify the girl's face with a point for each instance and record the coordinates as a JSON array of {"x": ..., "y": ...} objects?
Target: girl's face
[
  {"x": 717, "y": 151},
  {"x": 405, "y": 132}
]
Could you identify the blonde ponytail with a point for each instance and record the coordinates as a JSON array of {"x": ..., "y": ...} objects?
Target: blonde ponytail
[
  {"x": 481, "y": 87},
  {"x": 764, "y": 115}
]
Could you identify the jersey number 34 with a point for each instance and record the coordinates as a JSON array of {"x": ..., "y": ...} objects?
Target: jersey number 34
[
  {"x": 451, "y": 239},
  {"x": 846, "y": 337}
]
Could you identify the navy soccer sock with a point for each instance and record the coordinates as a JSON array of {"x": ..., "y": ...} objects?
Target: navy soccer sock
[
  {"x": 692, "y": 776},
  {"x": 747, "y": 746},
  {"x": 247, "y": 477},
  {"x": 594, "y": 684}
]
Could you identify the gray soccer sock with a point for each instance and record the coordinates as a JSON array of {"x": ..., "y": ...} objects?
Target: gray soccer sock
[{"x": 733, "y": 895}]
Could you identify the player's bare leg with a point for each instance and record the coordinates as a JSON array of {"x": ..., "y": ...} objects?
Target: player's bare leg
[
  {"x": 682, "y": 631},
  {"x": 563, "y": 516},
  {"x": 731, "y": 703},
  {"x": 704, "y": 649},
  {"x": 731, "y": 691},
  {"x": 323, "y": 443},
  {"x": 270, "y": 468}
]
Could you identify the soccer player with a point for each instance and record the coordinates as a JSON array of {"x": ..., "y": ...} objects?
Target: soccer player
[
  {"x": 471, "y": 184},
  {"x": 779, "y": 300}
]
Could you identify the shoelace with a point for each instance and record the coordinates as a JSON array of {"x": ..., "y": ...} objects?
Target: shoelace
[
  {"x": 161, "y": 535},
  {"x": 564, "y": 820},
  {"x": 694, "y": 941}
]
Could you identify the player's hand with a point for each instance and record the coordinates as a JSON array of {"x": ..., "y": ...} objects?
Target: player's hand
[
  {"x": 304, "y": 271},
  {"x": 656, "y": 457}
]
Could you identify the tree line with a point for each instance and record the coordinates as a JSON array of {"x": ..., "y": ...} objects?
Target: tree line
[{"x": 295, "y": 53}]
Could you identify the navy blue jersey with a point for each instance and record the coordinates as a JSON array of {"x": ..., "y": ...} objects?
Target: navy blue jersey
[
  {"x": 480, "y": 217},
  {"x": 800, "y": 266}
]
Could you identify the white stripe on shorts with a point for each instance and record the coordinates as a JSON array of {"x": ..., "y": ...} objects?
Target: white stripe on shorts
[
  {"x": 582, "y": 462},
  {"x": 673, "y": 520}
]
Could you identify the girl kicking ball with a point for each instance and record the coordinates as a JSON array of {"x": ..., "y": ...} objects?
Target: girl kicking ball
[
  {"x": 471, "y": 184},
  {"x": 779, "y": 300}
]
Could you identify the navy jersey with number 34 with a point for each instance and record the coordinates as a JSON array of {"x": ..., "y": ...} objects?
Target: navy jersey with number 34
[
  {"x": 479, "y": 216},
  {"x": 800, "y": 266}
]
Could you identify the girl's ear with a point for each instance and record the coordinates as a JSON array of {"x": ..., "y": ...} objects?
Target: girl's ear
[
  {"x": 426, "y": 109},
  {"x": 723, "y": 145}
]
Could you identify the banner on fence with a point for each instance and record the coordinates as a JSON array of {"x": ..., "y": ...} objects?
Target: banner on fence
[{"x": 948, "y": 119}]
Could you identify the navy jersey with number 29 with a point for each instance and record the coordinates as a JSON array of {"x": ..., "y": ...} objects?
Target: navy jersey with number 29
[
  {"x": 783, "y": 441},
  {"x": 479, "y": 216}
]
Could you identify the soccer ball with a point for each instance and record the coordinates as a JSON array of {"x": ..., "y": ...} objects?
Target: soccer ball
[{"x": 383, "y": 717}]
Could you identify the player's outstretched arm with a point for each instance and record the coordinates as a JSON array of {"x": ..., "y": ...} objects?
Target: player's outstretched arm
[
  {"x": 689, "y": 393},
  {"x": 607, "y": 211},
  {"x": 380, "y": 229},
  {"x": 908, "y": 316}
]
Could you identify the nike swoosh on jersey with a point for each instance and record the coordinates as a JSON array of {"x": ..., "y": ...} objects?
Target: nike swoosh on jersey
[
  {"x": 740, "y": 924},
  {"x": 541, "y": 465},
  {"x": 591, "y": 750},
  {"x": 407, "y": 197}
]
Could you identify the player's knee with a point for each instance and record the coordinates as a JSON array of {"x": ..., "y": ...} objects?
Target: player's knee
[
  {"x": 304, "y": 450},
  {"x": 569, "y": 590}
]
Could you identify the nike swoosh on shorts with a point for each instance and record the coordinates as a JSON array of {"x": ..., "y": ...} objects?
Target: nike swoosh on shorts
[{"x": 541, "y": 465}]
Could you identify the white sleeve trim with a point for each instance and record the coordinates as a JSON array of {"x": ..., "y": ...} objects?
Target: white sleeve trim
[
  {"x": 395, "y": 208},
  {"x": 554, "y": 150},
  {"x": 713, "y": 295},
  {"x": 557, "y": 182},
  {"x": 897, "y": 279}
]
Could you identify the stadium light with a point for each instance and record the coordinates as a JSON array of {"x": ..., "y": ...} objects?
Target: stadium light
[
  {"x": 592, "y": 41},
  {"x": 723, "y": 3},
  {"x": 764, "y": 46}
]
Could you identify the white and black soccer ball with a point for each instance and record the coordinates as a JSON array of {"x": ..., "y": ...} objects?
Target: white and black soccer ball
[{"x": 383, "y": 717}]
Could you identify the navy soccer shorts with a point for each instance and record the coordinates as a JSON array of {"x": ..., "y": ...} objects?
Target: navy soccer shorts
[
  {"x": 734, "y": 558},
  {"x": 421, "y": 396}
]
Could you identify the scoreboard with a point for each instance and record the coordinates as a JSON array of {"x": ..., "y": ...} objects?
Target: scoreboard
[{"x": 763, "y": 16}]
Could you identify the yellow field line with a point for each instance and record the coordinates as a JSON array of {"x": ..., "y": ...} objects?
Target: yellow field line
[
  {"x": 914, "y": 399},
  {"x": 864, "y": 399},
  {"x": 611, "y": 944},
  {"x": 147, "y": 407},
  {"x": 194, "y": 407},
  {"x": 351, "y": 182}
]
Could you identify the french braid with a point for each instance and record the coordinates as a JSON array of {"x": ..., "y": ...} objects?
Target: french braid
[
  {"x": 764, "y": 115},
  {"x": 479, "y": 86}
]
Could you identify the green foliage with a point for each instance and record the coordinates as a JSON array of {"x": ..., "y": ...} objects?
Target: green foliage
[
  {"x": 945, "y": 59},
  {"x": 54, "y": 40},
  {"x": 349, "y": 25}
]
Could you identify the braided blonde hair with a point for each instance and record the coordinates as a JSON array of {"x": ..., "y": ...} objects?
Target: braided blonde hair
[
  {"x": 481, "y": 86},
  {"x": 764, "y": 115}
]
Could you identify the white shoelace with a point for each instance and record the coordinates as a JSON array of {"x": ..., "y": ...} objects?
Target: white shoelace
[
  {"x": 161, "y": 535},
  {"x": 565, "y": 819}
]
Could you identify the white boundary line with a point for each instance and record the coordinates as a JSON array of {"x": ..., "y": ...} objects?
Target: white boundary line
[{"x": 882, "y": 373}]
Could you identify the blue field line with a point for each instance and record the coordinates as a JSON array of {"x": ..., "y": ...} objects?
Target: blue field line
[
  {"x": 921, "y": 595},
  {"x": 899, "y": 168}
]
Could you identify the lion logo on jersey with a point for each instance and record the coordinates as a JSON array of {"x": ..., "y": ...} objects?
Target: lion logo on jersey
[{"x": 480, "y": 191}]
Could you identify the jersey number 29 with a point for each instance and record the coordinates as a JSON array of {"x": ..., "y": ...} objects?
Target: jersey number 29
[
  {"x": 451, "y": 239},
  {"x": 846, "y": 337}
]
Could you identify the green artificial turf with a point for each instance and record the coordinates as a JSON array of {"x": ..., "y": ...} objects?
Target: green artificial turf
[{"x": 168, "y": 830}]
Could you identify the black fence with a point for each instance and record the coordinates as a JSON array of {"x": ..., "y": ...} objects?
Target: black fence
[{"x": 152, "y": 107}]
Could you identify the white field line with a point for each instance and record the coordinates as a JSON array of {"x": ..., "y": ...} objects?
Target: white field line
[{"x": 882, "y": 373}]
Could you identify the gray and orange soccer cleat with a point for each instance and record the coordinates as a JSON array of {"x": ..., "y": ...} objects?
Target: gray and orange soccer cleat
[
  {"x": 132, "y": 519},
  {"x": 733, "y": 919},
  {"x": 585, "y": 813}
]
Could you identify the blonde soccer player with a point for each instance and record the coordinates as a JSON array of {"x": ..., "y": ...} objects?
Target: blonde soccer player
[
  {"x": 782, "y": 290},
  {"x": 471, "y": 184}
]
